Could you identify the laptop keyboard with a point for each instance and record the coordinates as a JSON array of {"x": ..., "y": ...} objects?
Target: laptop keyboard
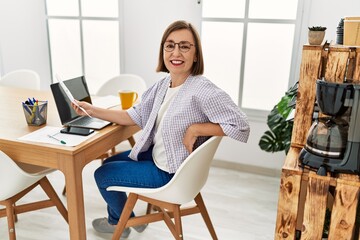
[
  {"x": 87, "y": 122},
  {"x": 83, "y": 121}
]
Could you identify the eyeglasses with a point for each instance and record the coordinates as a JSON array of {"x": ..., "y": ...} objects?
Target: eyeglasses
[{"x": 184, "y": 46}]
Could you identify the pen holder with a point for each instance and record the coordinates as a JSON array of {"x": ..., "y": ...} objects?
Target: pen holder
[{"x": 35, "y": 114}]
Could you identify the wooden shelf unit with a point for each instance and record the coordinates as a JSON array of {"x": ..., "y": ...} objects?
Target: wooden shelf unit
[{"x": 303, "y": 195}]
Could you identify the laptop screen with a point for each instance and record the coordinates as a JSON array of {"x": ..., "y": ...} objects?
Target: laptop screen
[{"x": 78, "y": 89}]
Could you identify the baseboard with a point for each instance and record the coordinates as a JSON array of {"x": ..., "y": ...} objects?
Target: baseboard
[{"x": 247, "y": 168}]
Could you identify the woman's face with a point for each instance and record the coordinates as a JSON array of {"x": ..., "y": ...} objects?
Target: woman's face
[{"x": 180, "y": 62}]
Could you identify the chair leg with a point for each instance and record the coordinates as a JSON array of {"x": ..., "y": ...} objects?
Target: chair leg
[
  {"x": 149, "y": 208},
  {"x": 131, "y": 141},
  {"x": 64, "y": 191},
  {"x": 125, "y": 215},
  {"x": 10, "y": 212},
  {"x": 50, "y": 192},
  {"x": 178, "y": 225},
  {"x": 204, "y": 213},
  {"x": 169, "y": 212},
  {"x": 15, "y": 215}
]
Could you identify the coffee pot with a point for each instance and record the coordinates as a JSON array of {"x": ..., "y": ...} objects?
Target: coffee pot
[{"x": 333, "y": 141}]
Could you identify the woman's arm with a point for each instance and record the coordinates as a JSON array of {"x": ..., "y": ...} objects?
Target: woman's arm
[
  {"x": 200, "y": 129},
  {"x": 120, "y": 117}
]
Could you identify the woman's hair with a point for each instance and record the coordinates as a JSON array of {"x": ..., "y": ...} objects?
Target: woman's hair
[{"x": 198, "y": 66}]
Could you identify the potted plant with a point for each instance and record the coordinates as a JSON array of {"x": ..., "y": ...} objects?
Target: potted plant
[
  {"x": 278, "y": 137},
  {"x": 316, "y": 35}
]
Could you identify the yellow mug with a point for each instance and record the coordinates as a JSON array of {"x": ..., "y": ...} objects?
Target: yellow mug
[{"x": 127, "y": 98}]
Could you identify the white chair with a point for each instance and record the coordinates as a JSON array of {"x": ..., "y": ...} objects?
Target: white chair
[
  {"x": 125, "y": 82},
  {"x": 24, "y": 78},
  {"x": 183, "y": 188},
  {"x": 16, "y": 180}
]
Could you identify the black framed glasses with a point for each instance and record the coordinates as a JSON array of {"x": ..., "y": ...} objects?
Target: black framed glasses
[{"x": 184, "y": 46}]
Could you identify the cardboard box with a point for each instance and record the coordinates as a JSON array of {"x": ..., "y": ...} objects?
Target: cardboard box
[
  {"x": 352, "y": 18},
  {"x": 352, "y": 31}
]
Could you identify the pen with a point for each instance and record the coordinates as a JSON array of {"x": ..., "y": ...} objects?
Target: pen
[
  {"x": 26, "y": 108},
  {"x": 82, "y": 109},
  {"x": 32, "y": 118},
  {"x": 30, "y": 101},
  {"x": 61, "y": 141}
]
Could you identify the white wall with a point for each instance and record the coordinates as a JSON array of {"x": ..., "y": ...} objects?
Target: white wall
[
  {"x": 23, "y": 38},
  {"x": 23, "y": 44},
  {"x": 144, "y": 29}
]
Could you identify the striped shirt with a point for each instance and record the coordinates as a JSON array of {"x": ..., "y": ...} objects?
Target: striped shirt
[{"x": 198, "y": 101}]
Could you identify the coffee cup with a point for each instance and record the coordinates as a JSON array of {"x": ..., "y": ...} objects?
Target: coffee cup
[{"x": 127, "y": 98}]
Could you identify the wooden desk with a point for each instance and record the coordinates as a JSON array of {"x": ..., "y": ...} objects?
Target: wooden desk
[{"x": 69, "y": 160}]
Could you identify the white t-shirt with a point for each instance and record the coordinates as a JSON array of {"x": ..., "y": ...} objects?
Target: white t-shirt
[{"x": 158, "y": 153}]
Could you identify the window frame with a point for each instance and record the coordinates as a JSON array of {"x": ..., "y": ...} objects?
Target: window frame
[
  {"x": 81, "y": 18},
  {"x": 256, "y": 114}
]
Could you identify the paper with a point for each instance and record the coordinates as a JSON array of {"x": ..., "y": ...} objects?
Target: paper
[
  {"x": 108, "y": 101},
  {"x": 41, "y": 135}
]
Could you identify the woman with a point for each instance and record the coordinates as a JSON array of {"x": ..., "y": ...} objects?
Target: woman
[{"x": 176, "y": 114}]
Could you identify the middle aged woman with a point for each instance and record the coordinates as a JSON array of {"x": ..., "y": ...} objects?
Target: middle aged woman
[{"x": 177, "y": 114}]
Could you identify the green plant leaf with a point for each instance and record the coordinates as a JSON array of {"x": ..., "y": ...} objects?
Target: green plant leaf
[
  {"x": 278, "y": 137},
  {"x": 283, "y": 106}
]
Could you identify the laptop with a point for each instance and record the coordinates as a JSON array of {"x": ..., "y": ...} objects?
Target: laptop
[{"x": 78, "y": 88}]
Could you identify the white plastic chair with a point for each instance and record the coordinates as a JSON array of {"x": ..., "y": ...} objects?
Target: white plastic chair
[
  {"x": 24, "y": 78},
  {"x": 125, "y": 82},
  {"x": 183, "y": 188},
  {"x": 15, "y": 182}
]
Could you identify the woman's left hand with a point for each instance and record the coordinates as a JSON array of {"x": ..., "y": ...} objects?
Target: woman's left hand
[
  {"x": 200, "y": 129},
  {"x": 190, "y": 138}
]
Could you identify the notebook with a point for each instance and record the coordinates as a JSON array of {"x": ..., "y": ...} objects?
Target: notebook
[{"x": 79, "y": 90}]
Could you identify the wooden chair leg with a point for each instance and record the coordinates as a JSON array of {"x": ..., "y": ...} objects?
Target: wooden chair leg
[
  {"x": 131, "y": 141},
  {"x": 64, "y": 191},
  {"x": 178, "y": 225},
  {"x": 50, "y": 192},
  {"x": 15, "y": 215},
  {"x": 204, "y": 213},
  {"x": 10, "y": 212},
  {"x": 170, "y": 211},
  {"x": 149, "y": 208},
  {"x": 125, "y": 215}
]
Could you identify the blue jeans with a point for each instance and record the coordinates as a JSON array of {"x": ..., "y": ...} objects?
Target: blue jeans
[{"x": 120, "y": 170}]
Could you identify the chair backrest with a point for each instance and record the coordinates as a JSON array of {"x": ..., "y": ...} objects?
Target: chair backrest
[
  {"x": 13, "y": 178},
  {"x": 188, "y": 180},
  {"x": 122, "y": 82},
  {"x": 24, "y": 78}
]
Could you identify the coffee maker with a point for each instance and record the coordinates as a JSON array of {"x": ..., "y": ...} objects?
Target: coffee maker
[{"x": 333, "y": 141}]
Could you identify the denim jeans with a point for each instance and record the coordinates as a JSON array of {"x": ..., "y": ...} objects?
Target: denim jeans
[{"x": 120, "y": 170}]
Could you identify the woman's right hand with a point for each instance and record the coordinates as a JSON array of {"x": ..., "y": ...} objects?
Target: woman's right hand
[{"x": 85, "y": 105}]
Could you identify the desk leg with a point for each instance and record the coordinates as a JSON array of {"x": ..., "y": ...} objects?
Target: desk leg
[{"x": 72, "y": 167}]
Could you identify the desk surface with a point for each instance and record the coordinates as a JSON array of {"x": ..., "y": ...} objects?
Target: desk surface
[{"x": 69, "y": 160}]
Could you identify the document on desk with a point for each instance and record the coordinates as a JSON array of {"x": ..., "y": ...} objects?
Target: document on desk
[
  {"x": 108, "y": 101},
  {"x": 52, "y": 135}
]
